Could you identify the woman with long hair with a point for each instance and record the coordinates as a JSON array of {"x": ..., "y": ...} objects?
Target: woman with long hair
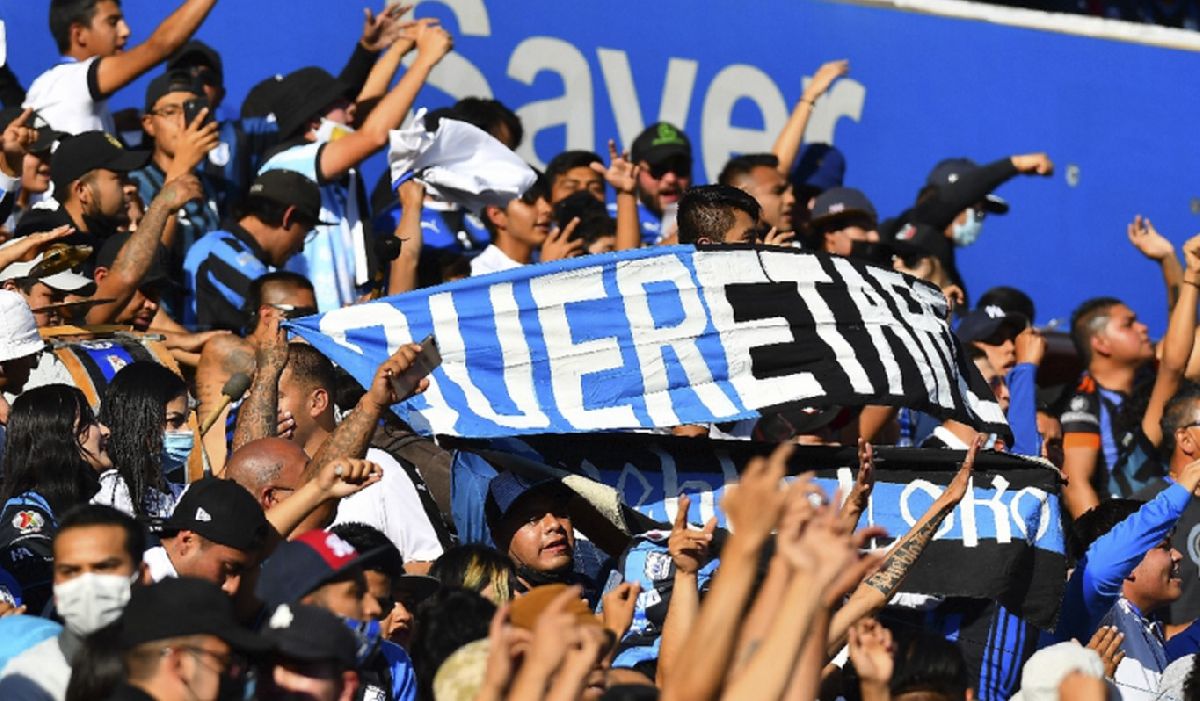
[
  {"x": 55, "y": 451},
  {"x": 146, "y": 409}
]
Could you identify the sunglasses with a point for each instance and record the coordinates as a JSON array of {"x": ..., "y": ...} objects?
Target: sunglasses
[
  {"x": 681, "y": 167},
  {"x": 291, "y": 311}
]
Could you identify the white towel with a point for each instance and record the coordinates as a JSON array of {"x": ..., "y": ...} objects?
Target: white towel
[{"x": 458, "y": 163}]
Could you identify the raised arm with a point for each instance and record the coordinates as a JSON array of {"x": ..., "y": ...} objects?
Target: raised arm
[
  {"x": 1177, "y": 343},
  {"x": 136, "y": 256},
  {"x": 402, "y": 277},
  {"x": 874, "y": 593},
  {"x": 339, "y": 479},
  {"x": 974, "y": 185},
  {"x": 352, "y": 436},
  {"x": 1158, "y": 249},
  {"x": 689, "y": 552},
  {"x": 787, "y": 144},
  {"x": 622, "y": 175},
  {"x": 258, "y": 415},
  {"x": 115, "y": 72},
  {"x": 337, "y": 157},
  {"x": 753, "y": 507}
]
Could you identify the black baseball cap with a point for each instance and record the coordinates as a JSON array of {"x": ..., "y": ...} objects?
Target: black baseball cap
[
  {"x": 222, "y": 511},
  {"x": 197, "y": 53},
  {"x": 182, "y": 606},
  {"x": 46, "y": 136},
  {"x": 302, "y": 96},
  {"x": 79, "y": 155},
  {"x": 289, "y": 188},
  {"x": 310, "y": 634},
  {"x": 951, "y": 169},
  {"x": 837, "y": 202},
  {"x": 167, "y": 83},
  {"x": 913, "y": 240},
  {"x": 159, "y": 270},
  {"x": 659, "y": 142},
  {"x": 262, "y": 100},
  {"x": 985, "y": 323}
]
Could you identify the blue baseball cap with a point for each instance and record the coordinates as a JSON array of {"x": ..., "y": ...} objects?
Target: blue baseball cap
[
  {"x": 819, "y": 166},
  {"x": 300, "y": 566},
  {"x": 506, "y": 490},
  {"x": 840, "y": 202},
  {"x": 984, "y": 323}
]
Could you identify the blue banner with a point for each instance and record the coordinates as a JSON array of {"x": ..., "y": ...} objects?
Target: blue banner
[{"x": 663, "y": 337}]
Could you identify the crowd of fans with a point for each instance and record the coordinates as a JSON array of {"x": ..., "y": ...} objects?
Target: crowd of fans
[{"x": 305, "y": 548}]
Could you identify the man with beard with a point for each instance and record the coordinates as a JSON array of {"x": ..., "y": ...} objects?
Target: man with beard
[{"x": 663, "y": 155}]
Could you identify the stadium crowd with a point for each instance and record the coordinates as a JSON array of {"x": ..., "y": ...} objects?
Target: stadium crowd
[{"x": 306, "y": 547}]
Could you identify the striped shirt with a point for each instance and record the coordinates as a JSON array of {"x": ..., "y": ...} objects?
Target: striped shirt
[
  {"x": 217, "y": 272},
  {"x": 334, "y": 258}
]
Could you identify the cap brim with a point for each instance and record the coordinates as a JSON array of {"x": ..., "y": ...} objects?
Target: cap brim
[
  {"x": 67, "y": 281},
  {"x": 845, "y": 214},
  {"x": 127, "y": 161},
  {"x": 661, "y": 154},
  {"x": 418, "y": 587},
  {"x": 45, "y": 140},
  {"x": 245, "y": 641},
  {"x": 995, "y": 204}
]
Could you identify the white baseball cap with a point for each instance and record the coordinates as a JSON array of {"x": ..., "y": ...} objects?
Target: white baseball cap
[
  {"x": 18, "y": 331},
  {"x": 1047, "y": 668},
  {"x": 64, "y": 281}
]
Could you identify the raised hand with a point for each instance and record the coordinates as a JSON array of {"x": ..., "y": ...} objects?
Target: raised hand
[
  {"x": 380, "y": 30},
  {"x": 1191, "y": 255},
  {"x": 618, "y": 607},
  {"x": 345, "y": 476},
  {"x": 15, "y": 142},
  {"x": 194, "y": 143},
  {"x": 621, "y": 174},
  {"x": 1033, "y": 164},
  {"x": 179, "y": 191},
  {"x": 689, "y": 547},
  {"x": 1147, "y": 240},
  {"x": 824, "y": 77},
  {"x": 864, "y": 483},
  {"x": 957, "y": 489},
  {"x": 382, "y": 392},
  {"x": 433, "y": 42},
  {"x": 561, "y": 243},
  {"x": 271, "y": 346},
  {"x": 754, "y": 504},
  {"x": 871, "y": 651},
  {"x": 1031, "y": 346}
]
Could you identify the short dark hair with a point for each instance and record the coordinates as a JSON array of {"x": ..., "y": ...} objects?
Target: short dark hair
[
  {"x": 1086, "y": 321},
  {"x": 569, "y": 160},
  {"x": 490, "y": 115},
  {"x": 87, "y": 515},
  {"x": 744, "y": 164},
  {"x": 65, "y": 13},
  {"x": 311, "y": 368},
  {"x": 280, "y": 277},
  {"x": 1010, "y": 299},
  {"x": 365, "y": 539},
  {"x": 930, "y": 663},
  {"x": 1177, "y": 414},
  {"x": 706, "y": 211},
  {"x": 1099, "y": 520},
  {"x": 594, "y": 221},
  {"x": 539, "y": 190},
  {"x": 446, "y": 621}
]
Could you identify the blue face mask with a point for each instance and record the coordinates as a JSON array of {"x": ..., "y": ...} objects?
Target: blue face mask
[
  {"x": 177, "y": 446},
  {"x": 966, "y": 233}
]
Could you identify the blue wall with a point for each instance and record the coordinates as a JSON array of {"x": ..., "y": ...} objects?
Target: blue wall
[{"x": 921, "y": 88}]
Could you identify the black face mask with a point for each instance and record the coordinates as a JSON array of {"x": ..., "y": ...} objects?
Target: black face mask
[
  {"x": 871, "y": 252},
  {"x": 102, "y": 227}
]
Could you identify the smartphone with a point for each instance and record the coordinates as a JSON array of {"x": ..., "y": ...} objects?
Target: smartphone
[
  {"x": 428, "y": 359},
  {"x": 192, "y": 108}
]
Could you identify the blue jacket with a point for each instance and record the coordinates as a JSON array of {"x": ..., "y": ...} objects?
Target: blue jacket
[
  {"x": 1095, "y": 585},
  {"x": 1022, "y": 409}
]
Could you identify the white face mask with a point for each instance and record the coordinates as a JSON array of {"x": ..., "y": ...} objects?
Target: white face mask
[
  {"x": 91, "y": 601},
  {"x": 966, "y": 233},
  {"x": 332, "y": 131}
]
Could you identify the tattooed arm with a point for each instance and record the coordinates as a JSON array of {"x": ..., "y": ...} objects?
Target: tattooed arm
[
  {"x": 352, "y": 436},
  {"x": 876, "y": 590},
  {"x": 122, "y": 280},
  {"x": 259, "y": 414}
]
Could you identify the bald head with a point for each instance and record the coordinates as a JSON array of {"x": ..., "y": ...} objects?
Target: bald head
[{"x": 269, "y": 468}]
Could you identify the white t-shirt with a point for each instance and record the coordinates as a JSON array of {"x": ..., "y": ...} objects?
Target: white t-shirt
[
  {"x": 115, "y": 493},
  {"x": 393, "y": 506},
  {"x": 492, "y": 260},
  {"x": 66, "y": 96}
]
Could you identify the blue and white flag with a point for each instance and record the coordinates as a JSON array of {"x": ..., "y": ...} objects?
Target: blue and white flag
[{"x": 663, "y": 337}]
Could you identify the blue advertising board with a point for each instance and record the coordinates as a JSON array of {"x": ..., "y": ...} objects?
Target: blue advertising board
[{"x": 1113, "y": 115}]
